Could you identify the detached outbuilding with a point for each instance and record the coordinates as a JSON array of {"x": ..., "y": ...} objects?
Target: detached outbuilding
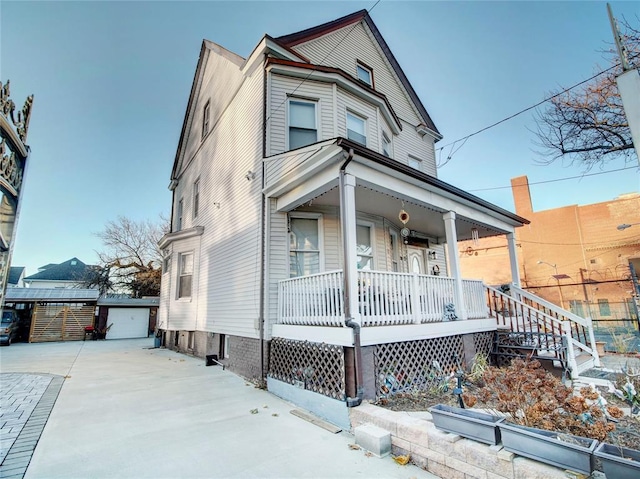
[{"x": 127, "y": 318}]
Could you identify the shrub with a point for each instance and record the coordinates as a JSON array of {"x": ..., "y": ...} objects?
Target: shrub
[{"x": 533, "y": 397}]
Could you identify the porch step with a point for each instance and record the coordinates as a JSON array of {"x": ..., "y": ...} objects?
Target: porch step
[{"x": 584, "y": 363}]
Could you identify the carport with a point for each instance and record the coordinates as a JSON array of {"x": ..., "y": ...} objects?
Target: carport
[{"x": 56, "y": 314}]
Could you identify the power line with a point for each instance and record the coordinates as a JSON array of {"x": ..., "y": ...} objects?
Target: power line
[
  {"x": 555, "y": 180},
  {"x": 465, "y": 138}
]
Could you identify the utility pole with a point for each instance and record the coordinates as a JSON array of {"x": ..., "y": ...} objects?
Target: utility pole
[{"x": 628, "y": 86}]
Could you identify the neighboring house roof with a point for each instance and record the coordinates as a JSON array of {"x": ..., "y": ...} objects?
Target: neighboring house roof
[
  {"x": 70, "y": 270},
  {"x": 129, "y": 302},
  {"x": 15, "y": 272},
  {"x": 17, "y": 295},
  {"x": 320, "y": 30}
]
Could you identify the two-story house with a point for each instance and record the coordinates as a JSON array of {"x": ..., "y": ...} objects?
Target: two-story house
[{"x": 311, "y": 239}]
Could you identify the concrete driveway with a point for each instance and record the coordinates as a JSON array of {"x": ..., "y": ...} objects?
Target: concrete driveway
[{"x": 126, "y": 410}]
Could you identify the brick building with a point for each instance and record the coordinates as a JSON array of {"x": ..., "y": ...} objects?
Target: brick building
[{"x": 574, "y": 256}]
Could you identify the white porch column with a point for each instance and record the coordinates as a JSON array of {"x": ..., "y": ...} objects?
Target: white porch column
[
  {"x": 348, "y": 219},
  {"x": 454, "y": 262},
  {"x": 513, "y": 259}
]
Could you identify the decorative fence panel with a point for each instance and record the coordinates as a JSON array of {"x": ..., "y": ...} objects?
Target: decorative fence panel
[
  {"x": 312, "y": 366},
  {"x": 416, "y": 365}
]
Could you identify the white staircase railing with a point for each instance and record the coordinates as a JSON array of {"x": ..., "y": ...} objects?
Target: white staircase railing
[{"x": 523, "y": 312}]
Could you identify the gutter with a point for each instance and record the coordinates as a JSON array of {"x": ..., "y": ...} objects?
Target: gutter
[{"x": 349, "y": 320}]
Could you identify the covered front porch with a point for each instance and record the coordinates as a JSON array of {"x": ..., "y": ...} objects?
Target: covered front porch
[{"x": 384, "y": 255}]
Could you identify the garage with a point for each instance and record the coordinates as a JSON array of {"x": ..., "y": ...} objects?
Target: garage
[
  {"x": 128, "y": 323},
  {"x": 127, "y": 318}
]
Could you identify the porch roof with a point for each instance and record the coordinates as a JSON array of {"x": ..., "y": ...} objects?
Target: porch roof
[{"x": 430, "y": 180}]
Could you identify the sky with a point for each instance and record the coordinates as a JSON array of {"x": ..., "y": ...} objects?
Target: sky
[{"x": 111, "y": 82}]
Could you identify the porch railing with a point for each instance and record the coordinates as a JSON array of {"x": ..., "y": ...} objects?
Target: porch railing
[
  {"x": 384, "y": 298},
  {"x": 545, "y": 327}
]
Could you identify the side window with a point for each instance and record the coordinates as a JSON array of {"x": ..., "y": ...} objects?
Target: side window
[
  {"x": 304, "y": 246},
  {"x": 395, "y": 251},
  {"x": 364, "y": 245},
  {"x": 356, "y": 128},
  {"x": 303, "y": 130},
  {"x": 386, "y": 145},
  {"x": 196, "y": 197},
  {"x": 179, "y": 214},
  {"x": 205, "y": 118},
  {"x": 186, "y": 275},
  {"x": 364, "y": 73},
  {"x": 603, "y": 305},
  {"x": 415, "y": 162}
]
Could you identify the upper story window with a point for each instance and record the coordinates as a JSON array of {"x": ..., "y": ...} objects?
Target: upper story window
[
  {"x": 302, "y": 123},
  {"x": 365, "y": 74},
  {"x": 415, "y": 162},
  {"x": 386, "y": 145},
  {"x": 196, "y": 197},
  {"x": 205, "y": 118},
  {"x": 356, "y": 128},
  {"x": 179, "y": 214},
  {"x": 186, "y": 275}
]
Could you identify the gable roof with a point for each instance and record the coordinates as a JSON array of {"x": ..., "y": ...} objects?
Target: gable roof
[
  {"x": 320, "y": 30},
  {"x": 14, "y": 274},
  {"x": 70, "y": 270}
]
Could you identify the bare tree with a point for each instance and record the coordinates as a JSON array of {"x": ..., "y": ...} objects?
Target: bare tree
[
  {"x": 131, "y": 260},
  {"x": 587, "y": 125}
]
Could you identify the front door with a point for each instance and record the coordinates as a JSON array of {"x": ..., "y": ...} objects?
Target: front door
[{"x": 417, "y": 260}]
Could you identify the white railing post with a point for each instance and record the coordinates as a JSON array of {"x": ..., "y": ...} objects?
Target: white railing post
[
  {"x": 415, "y": 299},
  {"x": 592, "y": 339},
  {"x": 571, "y": 353}
]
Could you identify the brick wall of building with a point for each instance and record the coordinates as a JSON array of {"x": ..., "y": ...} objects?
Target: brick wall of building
[{"x": 573, "y": 256}]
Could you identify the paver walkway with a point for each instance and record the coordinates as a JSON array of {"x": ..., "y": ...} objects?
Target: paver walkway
[{"x": 26, "y": 401}]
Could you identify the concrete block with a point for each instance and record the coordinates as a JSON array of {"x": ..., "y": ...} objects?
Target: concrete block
[
  {"x": 468, "y": 470},
  {"x": 412, "y": 430},
  {"x": 374, "y": 439},
  {"x": 441, "y": 470},
  {"x": 524, "y": 468},
  {"x": 486, "y": 457}
]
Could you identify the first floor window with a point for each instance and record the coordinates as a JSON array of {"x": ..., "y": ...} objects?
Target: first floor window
[
  {"x": 576, "y": 308},
  {"x": 302, "y": 124},
  {"x": 186, "y": 275},
  {"x": 356, "y": 128},
  {"x": 304, "y": 247},
  {"x": 364, "y": 247}
]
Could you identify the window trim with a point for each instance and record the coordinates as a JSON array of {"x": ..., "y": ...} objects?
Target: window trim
[
  {"x": 196, "y": 197},
  {"x": 310, "y": 101},
  {"x": 367, "y": 68},
  {"x": 319, "y": 217},
  {"x": 359, "y": 117},
  {"x": 395, "y": 256},
  {"x": 181, "y": 255},
  {"x": 206, "y": 119}
]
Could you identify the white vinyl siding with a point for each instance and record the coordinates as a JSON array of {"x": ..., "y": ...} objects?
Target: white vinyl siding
[
  {"x": 358, "y": 45},
  {"x": 277, "y": 123},
  {"x": 225, "y": 290}
]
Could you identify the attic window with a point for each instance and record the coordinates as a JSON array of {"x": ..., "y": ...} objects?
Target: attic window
[
  {"x": 365, "y": 74},
  {"x": 74, "y": 262},
  {"x": 205, "y": 119}
]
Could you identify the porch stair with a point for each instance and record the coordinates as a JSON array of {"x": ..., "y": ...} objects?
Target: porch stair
[{"x": 545, "y": 330}]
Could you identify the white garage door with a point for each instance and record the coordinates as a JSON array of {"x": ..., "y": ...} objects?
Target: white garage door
[{"x": 128, "y": 323}]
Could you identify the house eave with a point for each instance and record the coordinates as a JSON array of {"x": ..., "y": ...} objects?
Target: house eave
[
  {"x": 334, "y": 75},
  {"x": 169, "y": 238}
]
